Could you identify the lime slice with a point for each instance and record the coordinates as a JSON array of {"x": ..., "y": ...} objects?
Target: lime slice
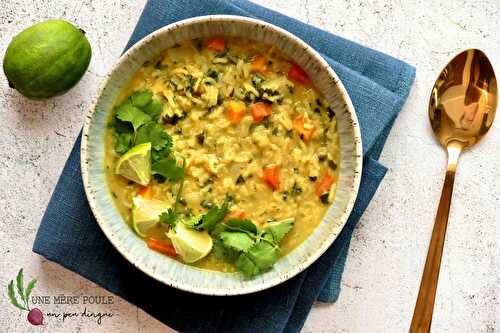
[
  {"x": 191, "y": 245},
  {"x": 136, "y": 164},
  {"x": 146, "y": 214}
]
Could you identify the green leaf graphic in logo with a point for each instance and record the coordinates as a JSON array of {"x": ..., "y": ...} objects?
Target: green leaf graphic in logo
[
  {"x": 12, "y": 296},
  {"x": 20, "y": 283},
  {"x": 29, "y": 288},
  {"x": 35, "y": 316}
]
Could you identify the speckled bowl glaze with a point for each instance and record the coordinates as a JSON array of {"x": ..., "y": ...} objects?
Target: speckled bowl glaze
[{"x": 175, "y": 273}]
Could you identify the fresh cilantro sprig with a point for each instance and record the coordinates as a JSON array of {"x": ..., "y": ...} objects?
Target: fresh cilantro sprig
[
  {"x": 214, "y": 216},
  {"x": 208, "y": 221},
  {"x": 239, "y": 241},
  {"x": 169, "y": 217},
  {"x": 259, "y": 258},
  {"x": 253, "y": 250},
  {"x": 136, "y": 122},
  {"x": 141, "y": 99},
  {"x": 128, "y": 112},
  {"x": 279, "y": 229},
  {"x": 154, "y": 133},
  {"x": 168, "y": 169},
  {"x": 172, "y": 216},
  {"x": 123, "y": 142}
]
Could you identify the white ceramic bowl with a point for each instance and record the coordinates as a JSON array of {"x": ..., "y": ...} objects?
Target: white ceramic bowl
[{"x": 175, "y": 273}]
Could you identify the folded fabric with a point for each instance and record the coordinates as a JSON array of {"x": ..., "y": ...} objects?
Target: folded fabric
[{"x": 69, "y": 235}]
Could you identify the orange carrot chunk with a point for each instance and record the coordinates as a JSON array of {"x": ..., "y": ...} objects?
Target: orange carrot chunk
[
  {"x": 146, "y": 192},
  {"x": 259, "y": 64},
  {"x": 260, "y": 111},
  {"x": 161, "y": 246},
  {"x": 297, "y": 74},
  {"x": 235, "y": 111},
  {"x": 325, "y": 182},
  {"x": 237, "y": 214},
  {"x": 305, "y": 131},
  {"x": 216, "y": 43},
  {"x": 271, "y": 176}
]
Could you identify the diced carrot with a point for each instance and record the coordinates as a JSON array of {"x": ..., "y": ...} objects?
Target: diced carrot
[
  {"x": 259, "y": 64},
  {"x": 237, "y": 214},
  {"x": 216, "y": 43},
  {"x": 297, "y": 74},
  {"x": 260, "y": 111},
  {"x": 325, "y": 182},
  {"x": 161, "y": 246},
  {"x": 305, "y": 130},
  {"x": 146, "y": 192},
  {"x": 235, "y": 111},
  {"x": 271, "y": 176}
]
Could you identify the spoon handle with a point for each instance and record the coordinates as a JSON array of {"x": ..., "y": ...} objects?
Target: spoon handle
[{"x": 422, "y": 316}]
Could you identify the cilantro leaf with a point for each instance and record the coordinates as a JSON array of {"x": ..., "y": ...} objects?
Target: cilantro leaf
[
  {"x": 168, "y": 169},
  {"x": 121, "y": 126},
  {"x": 217, "y": 229},
  {"x": 214, "y": 216},
  {"x": 157, "y": 155},
  {"x": 138, "y": 115},
  {"x": 154, "y": 109},
  {"x": 127, "y": 112},
  {"x": 224, "y": 253},
  {"x": 169, "y": 217},
  {"x": 267, "y": 236},
  {"x": 242, "y": 224},
  {"x": 239, "y": 241},
  {"x": 260, "y": 257},
  {"x": 264, "y": 254},
  {"x": 279, "y": 229},
  {"x": 154, "y": 133},
  {"x": 246, "y": 266},
  {"x": 123, "y": 142},
  {"x": 141, "y": 98},
  {"x": 192, "y": 222}
]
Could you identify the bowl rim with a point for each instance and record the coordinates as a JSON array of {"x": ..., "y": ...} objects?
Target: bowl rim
[{"x": 358, "y": 151}]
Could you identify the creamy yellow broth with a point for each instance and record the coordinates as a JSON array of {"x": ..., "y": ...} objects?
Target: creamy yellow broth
[{"x": 225, "y": 158}]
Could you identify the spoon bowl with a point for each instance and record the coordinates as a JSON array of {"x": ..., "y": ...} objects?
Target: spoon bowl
[
  {"x": 462, "y": 108},
  {"x": 463, "y": 101}
]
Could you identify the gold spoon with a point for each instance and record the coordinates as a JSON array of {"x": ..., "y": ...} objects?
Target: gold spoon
[{"x": 462, "y": 107}]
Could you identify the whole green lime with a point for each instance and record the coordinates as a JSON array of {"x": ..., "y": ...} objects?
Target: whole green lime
[{"x": 47, "y": 59}]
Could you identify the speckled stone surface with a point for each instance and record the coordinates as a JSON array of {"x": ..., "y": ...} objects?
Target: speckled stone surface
[{"x": 388, "y": 249}]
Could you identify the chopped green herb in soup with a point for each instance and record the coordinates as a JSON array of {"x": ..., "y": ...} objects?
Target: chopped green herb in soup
[{"x": 222, "y": 154}]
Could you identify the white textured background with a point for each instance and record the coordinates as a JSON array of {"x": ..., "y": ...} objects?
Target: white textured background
[{"x": 388, "y": 249}]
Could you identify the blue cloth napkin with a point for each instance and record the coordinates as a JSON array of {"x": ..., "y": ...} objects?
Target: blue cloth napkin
[{"x": 69, "y": 235}]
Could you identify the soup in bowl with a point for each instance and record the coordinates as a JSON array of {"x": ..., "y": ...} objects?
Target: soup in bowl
[{"x": 228, "y": 167}]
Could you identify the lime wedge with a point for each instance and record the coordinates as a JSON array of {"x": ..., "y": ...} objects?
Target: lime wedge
[
  {"x": 146, "y": 214},
  {"x": 136, "y": 164},
  {"x": 191, "y": 245}
]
